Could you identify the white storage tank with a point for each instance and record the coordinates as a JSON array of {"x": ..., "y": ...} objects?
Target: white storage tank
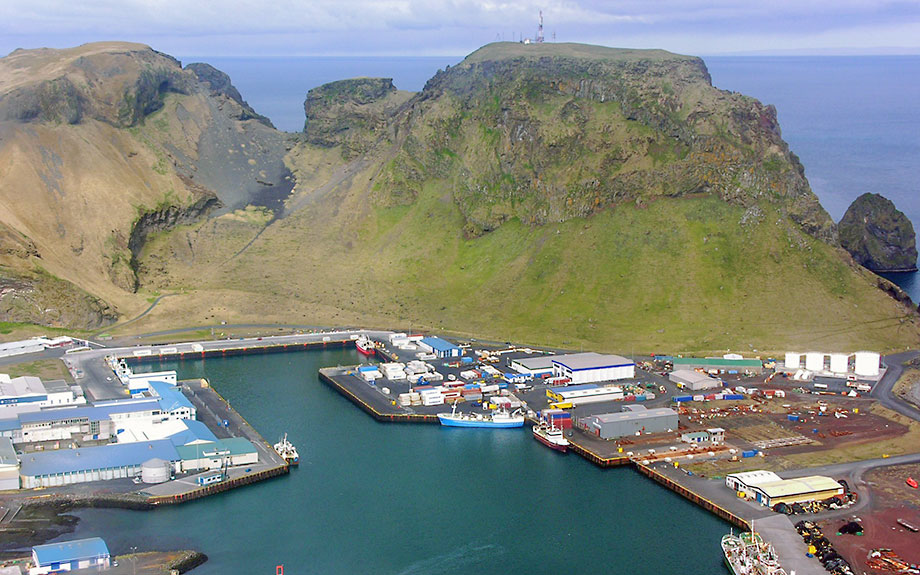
[
  {"x": 814, "y": 361},
  {"x": 793, "y": 360},
  {"x": 839, "y": 362},
  {"x": 155, "y": 471},
  {"x": 867, "y": 363}
]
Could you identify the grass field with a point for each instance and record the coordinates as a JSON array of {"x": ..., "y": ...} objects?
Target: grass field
[{"x": 46, "y": 369}]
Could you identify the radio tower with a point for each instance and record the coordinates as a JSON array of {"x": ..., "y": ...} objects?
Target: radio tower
[{"x": 539, "y": 38}]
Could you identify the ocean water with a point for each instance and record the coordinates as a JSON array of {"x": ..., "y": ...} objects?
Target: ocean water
[
  {"x": 411, "y": 499},
  {"x": 853, "y": 121}
]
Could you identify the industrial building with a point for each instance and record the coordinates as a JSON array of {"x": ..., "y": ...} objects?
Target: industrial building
[
  {"x": 767, "y": 488},
  {"x": 32, "y": 345},
  {"x": 713, "y": 436},
  {"x": 9, "y": 465},
  {"x": 29, "y": 391},
  {"x": 114, "y": 461},
  {"x": 584, "y": 393},
  {"x": 726, "y": 365},
  {"x": 591, "y": 367},
  {"x": 70, "y": 556},
  {"x": 185, "y": 453},
  {"x": 535, "y": 366},
  {"x": 234, "y": 451},
  {"x": 634, "y": 419},
  {"x": 440, "y": 347},
  {"x": 693, "y": 380}
]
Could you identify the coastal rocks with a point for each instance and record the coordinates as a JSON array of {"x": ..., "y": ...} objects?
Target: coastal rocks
[{"x": 878, "y": 235}]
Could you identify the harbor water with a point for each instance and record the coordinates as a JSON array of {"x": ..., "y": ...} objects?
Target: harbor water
[{"x": 410, "y": 499}]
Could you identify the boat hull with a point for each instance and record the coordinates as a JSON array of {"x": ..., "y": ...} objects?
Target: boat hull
[
  {"x": 554, "y": 446},
  {"x": 365, "y": 351},
  {"x": 448, "y": 421}
]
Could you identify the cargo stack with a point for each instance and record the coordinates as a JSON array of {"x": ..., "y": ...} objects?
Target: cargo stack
[
  {"x": 369, "y": 373},
  {"x": 557, "y": 418},
  {"x": 431, "y": 396},
  {"x": 393, "y": 371}
]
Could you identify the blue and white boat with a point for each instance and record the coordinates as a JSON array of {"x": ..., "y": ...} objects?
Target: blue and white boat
[{"x": 499, "y": 418}]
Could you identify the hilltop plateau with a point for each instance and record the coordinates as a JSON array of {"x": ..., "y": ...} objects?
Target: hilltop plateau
[{"x": 558, "y": 194}]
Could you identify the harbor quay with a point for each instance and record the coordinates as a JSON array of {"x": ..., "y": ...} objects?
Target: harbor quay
[
  {"x": 685, "y": 423},
  {"x": 692, "y": 413}
]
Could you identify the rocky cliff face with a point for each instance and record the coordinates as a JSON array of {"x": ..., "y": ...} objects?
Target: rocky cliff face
[
  {"x": 353, "y": 114},
  {"x": 548, "y": 133},
  {"x": 878, "y": 235}
]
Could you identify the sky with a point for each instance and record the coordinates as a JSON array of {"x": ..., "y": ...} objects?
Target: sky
[{"x": 233, "y": 28}]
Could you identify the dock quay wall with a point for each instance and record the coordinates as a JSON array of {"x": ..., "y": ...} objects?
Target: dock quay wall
[
  {"x": 706, "y": 504},
  {"x": 218, "y": 487},
  {"x": 236, "y": 351},
  {"x": 382, "y": 417}
]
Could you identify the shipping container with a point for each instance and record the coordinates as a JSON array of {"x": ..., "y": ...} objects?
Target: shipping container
[
  {"x": 792, "y": 417},
  {"x": 749, "y": 453},
  {"x": 683, "y": 398}
]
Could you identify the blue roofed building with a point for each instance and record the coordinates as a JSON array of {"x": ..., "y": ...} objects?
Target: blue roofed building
[
  {"x": 440, "y": 347},
  {"x": 58, "y": 467},
  {"x": 172, "y": 401},
  {"x": 70, "y": 556}
]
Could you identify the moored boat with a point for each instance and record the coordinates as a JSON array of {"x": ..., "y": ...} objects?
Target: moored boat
[
  {"x": 748, "y": 554},
  {"x": 287, "y": 451},
  {"x": 551, "y": 436},
  {"x": 499, "y": 418},
  {"x": 365, "y": 345}
]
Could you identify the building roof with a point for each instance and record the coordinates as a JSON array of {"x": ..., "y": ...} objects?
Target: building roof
[
  {"x": 755, "y": 478},
  {"x": 195, "y": 431},
  {"x": 7, "y": 453},
  {"x": 540, "y": 362},
  {"x": 719, "y": 362},
  {"x": 171, "y": 397},
  {"x": 67, "y": 551},
  {"x": 9, "y": 424},
  {"x": 574, "y": 387},
  {"x": 101, "y": 457},
  {"x": 438, "y": 344},
  {"x": 56, "y": 386},
  {"x": 633, "y": 415},
  {"x": 591, "y": 360},
  {"x": 92, "y": 412},
  {"x": 22, "y": 386},
  {"x": 232, "y": 445},
  {"x": 692, "y": 376},
  {"x": 799, "y": 486}
]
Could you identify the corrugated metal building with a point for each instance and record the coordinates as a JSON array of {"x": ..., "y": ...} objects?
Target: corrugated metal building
[
  {"x": 718, "y": 364},
  {"x": 440, "y": 347},
  {"x": 236, "y": 450},
  {"x": 535, "y": 366},
  {"x": 114, "y": 461},
  {"x": 636, "y": 419},
  {"x": 70, "y": 556},
  {"x": 693, "y": 380},
  {"x": 590, "y": 367},
  {"x": 767, "y": 488}
]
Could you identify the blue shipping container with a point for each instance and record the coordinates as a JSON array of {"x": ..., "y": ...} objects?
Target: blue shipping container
[
  {"x": 750, "y": 453},
  {"x": 465, "y": 359},
  {"x": 684, "y": 398},
  {"x": 363, "y": 368},
  {"x": 734, "y": 396},
  {"x": 793, "y": 417}
]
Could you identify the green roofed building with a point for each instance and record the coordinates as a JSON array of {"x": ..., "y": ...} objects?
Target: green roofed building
[
  {"x": 202, "y": 456},
  {"x": 719, "y": 364}
]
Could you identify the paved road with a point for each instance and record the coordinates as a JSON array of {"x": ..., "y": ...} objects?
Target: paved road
[
  {"x": 138, "y": 317},
  {"x": 882, "y": 390}
]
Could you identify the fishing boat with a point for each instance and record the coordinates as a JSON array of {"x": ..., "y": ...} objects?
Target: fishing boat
[
  {"x": 287, "y": 450},
  {"x": 365, "y": 345},
  {"x": 748, "y": 554},
  {"x": 499, "y": 418},
  {"x": 550, "y": 436}
]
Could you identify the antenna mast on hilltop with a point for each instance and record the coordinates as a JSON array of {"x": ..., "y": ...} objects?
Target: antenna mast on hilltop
[{"x": 539, "y": 38}]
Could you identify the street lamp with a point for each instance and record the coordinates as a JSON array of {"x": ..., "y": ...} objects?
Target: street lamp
[{"x": 134, "y": 560}]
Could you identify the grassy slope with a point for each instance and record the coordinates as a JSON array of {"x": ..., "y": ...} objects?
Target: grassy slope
[{"x": 680, "y": 275}]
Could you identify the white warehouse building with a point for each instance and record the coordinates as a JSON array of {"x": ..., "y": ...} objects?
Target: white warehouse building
[{"x": 590, "y": 367}]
